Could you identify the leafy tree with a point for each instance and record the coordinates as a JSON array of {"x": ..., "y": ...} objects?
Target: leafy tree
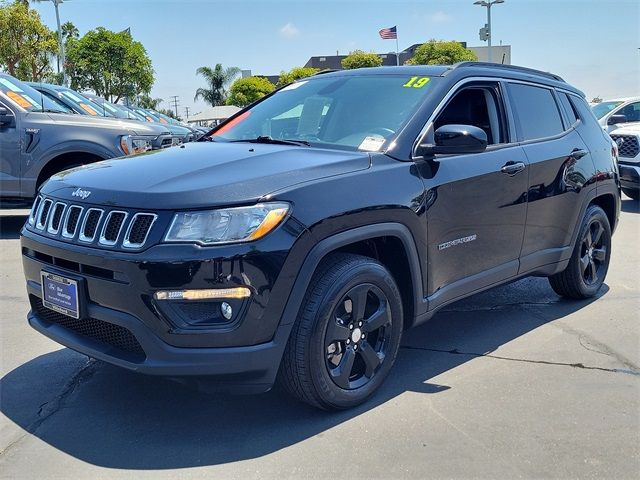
[
  {"x": 245, "y": 91},
  {"x": 26, "y": 44},
  {"x": 361, "y": 59},
  {"x": 145, "y": 101},
  {"x": 294, "y": 74},
  {"x": 441, "y": 52},
  {"x": 218, "y": 79},
  {"x": 112, "y": 64}
]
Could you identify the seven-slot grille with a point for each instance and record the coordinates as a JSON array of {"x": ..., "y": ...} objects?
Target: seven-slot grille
[
  {"x": 91, "y": 225},
  {"x": 627, "y": 145}
]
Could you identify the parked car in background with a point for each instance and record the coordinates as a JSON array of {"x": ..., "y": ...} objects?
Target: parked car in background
[
  {"x": 612, "y": 114},
  {"x": 72, "y": 99},
  {"x": 121, "y": 111},
  {"x": 40, "y": 136},
  {"x": 627, "y": 137},
  {"x": 196, "y": 133},
  {"x": 185, "y": 133},
  {"x": 84, "y": 105}
]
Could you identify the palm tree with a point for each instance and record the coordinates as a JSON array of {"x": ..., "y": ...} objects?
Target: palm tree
[{"x": 218, "y": 79}]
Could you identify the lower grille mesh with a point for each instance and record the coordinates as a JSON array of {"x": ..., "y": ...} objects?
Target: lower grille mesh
[{"x": 104, "y": 332}]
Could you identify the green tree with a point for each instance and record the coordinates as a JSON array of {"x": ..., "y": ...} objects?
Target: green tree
[
  {"x": 361, "y": 59},
  {"x": 218, "y": 79},
  {"x": 441, "y": 52},
  {"x": 145, "y": 101},
  {"x": 294, "y": 74},
  {"x": 26, "y": 44},
  {"x": 112, "y": 64},
  {"x": 245, "y": 91}
]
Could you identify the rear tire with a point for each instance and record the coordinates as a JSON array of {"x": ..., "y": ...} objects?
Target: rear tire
[
  {"x": 347, "y": 336},
  {"x": 589, "y": 261},
  {"x": 634, "y": 194}
]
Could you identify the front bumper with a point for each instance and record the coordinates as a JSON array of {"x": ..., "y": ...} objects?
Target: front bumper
[
  {"x": 629, "y": 176},
  {"x": 123, "y": 324}
]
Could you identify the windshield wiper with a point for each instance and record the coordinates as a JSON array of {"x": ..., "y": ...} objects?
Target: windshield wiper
[{"x": 273, "y": 141}]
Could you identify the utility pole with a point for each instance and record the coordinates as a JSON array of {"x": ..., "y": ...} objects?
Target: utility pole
[
  {"x": 61, "y": 58},
  {"x": 485, "y": 33},
  {"x": 187, "y": 110},
  {"x": 175, "y": 104}
]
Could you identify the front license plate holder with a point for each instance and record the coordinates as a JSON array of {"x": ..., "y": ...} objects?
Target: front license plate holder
[{"x": 60, "y": 294}]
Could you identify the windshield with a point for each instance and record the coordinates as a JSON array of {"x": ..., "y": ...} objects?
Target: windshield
[
  {"x": 345, "y": 112},
  {"x": 119, "y": 111},
  {"x": 148, "y": 116},
  {"x": 28, "y": 98},
  {"x": 82, "y": 103},
  {"x": 602, "y": 108}
]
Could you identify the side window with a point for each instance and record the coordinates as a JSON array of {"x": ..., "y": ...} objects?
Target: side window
[
  {"x": 477, "y": 106},
  {"x": 586, "y": 115},
  {"x": 536, "y": 111},
  {"x": 631, "y": 111},
  {"x": 568, "y": 108}
]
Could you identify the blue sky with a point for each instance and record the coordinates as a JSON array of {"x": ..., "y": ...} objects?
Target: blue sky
[{"x": 591, "y": 43}]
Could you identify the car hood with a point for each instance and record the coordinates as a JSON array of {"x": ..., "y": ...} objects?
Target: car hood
[
  {"x": 108, "y": 123},
  {"x": 628, "y": 129},
  {"x": 202, "y": 174}
]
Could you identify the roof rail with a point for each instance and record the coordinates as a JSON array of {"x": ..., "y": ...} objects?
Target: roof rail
[
  {"x": 514, "y": 68},
  {"x": 326, "y": 70}
]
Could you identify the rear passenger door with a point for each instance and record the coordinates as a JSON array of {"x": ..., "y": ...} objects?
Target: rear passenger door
[{"x": 559, "y": 169}]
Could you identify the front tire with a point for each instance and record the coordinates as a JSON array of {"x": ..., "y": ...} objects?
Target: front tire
[
  {"x": 589, "y": 261},
  {"x": 347, "y": 336}
]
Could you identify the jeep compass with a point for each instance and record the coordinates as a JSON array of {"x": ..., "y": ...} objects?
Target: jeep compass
[{"x": 298, "y": 240}]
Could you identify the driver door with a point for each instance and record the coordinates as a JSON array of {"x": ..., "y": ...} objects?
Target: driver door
[{"x": 478, "y": 202}]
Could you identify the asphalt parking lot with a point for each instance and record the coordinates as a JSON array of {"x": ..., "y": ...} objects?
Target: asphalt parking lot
[{"x": 510, "y": 383}]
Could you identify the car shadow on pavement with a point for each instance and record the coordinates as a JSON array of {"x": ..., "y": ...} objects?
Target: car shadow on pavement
[
  {"x": 10, "y": 226},
  {"x": 117, "y": 419}
]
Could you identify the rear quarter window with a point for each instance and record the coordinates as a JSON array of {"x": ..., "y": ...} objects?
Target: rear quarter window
[{"x": 536, "y": 111}]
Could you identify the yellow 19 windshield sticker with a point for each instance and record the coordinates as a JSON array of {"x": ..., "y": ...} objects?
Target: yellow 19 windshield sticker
[{"x": 416, "y": 82}]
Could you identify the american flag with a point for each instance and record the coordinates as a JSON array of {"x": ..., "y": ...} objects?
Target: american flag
[{"x": 388, "y": 33}]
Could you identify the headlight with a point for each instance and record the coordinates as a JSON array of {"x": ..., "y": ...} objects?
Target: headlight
[
  {"x": 131, "y": 144},
  {"x": 228, "y": 225}
]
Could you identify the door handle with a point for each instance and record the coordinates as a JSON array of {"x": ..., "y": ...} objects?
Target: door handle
[
  {"x": 511, "y": 168},
  {"x": 577, "y": 153}
]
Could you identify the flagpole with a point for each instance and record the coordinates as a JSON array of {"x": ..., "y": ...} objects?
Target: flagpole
[{"x": 397, "y": 54}]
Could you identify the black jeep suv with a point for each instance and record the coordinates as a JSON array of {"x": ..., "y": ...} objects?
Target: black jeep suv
[{"x": 302, "y": 236}]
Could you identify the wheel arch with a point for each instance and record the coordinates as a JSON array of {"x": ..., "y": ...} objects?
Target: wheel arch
[
  {"x": 62, "y": 161},
  {"x": 375, "y": 241}
]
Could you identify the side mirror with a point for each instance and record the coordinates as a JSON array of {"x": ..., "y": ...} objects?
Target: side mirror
[
  {"x": 615, "y": 119},
  {"x": 6, "y": 118},
  {"x": 456, "y": 139}
]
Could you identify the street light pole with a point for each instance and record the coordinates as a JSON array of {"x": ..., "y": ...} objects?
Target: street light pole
[
  {"x": 488, "y": 4},
  {"x": 61, "y": 58}
]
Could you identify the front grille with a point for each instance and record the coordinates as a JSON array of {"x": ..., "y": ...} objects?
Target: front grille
[
  {"x": 627, "y": 145},
  {"x": 56, "y": 218},
  {"x": 104, "y": 332},
  {"x": 112, "y": 227},
  {"x": 44, "y": 214},
  {"x": 71, "y": 223},
  {"x": 166, "y": 142},
  {"x": 91, "y": 225},
  {"x": 139, "y": 229}
]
